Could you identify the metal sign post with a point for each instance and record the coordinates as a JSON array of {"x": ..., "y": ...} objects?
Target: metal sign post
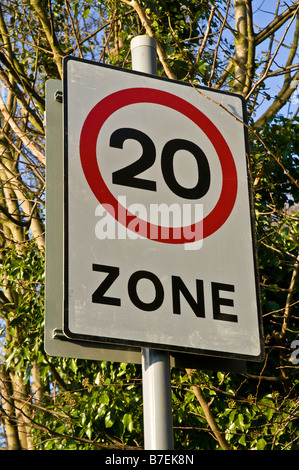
[{"x": 157, "y": 409}]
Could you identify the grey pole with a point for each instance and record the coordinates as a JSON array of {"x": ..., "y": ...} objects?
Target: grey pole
[
  {"x": 144, "y": 55},
  {"x": 157, "y": 412},
  {"x": 156, "y": 385}
]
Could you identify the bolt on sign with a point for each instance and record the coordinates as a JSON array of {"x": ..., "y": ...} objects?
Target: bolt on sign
[{"x": 159, "y": 237}]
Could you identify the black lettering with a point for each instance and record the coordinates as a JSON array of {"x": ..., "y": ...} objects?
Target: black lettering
[
  {"x": 197, "y": 306},
  {"x": 204, "y": 176},
  {"x": 132, "y": 290},
  {"x": 127, "y": 176},
  {"x": 98, "y": 296},
  {"x": 179, "y": 289},
  {"x": 218, "y": 301}
]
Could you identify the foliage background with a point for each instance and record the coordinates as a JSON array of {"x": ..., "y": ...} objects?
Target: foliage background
[{"x": 249, "y": 47}]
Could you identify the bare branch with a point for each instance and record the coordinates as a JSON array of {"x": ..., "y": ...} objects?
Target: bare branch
[
  {"x": 219, "y": 435},
  {"x": 147, "y": 25},
  {"x": 20, "y": 134}
]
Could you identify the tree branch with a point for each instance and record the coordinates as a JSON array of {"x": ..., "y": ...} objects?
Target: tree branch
[
  {"x": 276, "y": 23},
  {"x": 287, "y": 309},
  {"x": 147, "y": 25},
  {"x": 286, "y": 90},
  {"x": 20, "y": 134},
  {"x": 50, "y": 35},
  {"x": 208, "y": 414}
]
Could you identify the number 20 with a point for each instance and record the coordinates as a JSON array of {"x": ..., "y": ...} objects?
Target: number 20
[{"x": 127, "y": 176}]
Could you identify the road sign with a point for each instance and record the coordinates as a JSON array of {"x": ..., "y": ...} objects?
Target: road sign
[
  {"x": 56, "y": 344},
  {"x": 159, "y": 244}
]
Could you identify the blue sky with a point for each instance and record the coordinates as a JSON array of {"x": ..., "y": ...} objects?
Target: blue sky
[{"x": 263, "y": 12}]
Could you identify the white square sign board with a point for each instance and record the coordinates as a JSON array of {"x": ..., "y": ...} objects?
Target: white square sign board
[{"x": 159, "y": 238}]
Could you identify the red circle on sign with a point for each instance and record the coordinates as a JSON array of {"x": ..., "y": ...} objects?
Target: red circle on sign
[{"x": 88, "y": 143}]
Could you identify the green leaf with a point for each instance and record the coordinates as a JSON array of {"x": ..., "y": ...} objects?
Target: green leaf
[
  {"x": 104, "y": 398},
  {"x": 73, "y": 365},
  {"x": 109, "y": 419},
  {"x": 128, "y": 422},
  {"x": 27, "y": 374},
  {"x": 86, "y": 12},
  {"x": 261, "y": 444},
  {"x": 239, "y": 422}
]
